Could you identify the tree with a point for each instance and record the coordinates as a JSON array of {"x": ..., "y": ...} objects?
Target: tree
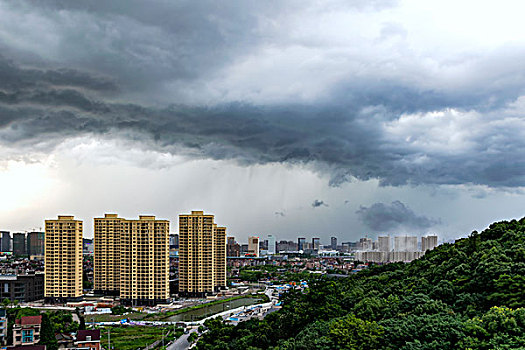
[
  {"x": 499, "y": 328},
  {"x": 47, "y": 334},
  {"x": 510, "y": 291},
  {"x": 354, "y": 333},
  {"x": 192, "y": 337},
  {"x": 82, "y": 325},
  {"x": 440, "y": 301}
]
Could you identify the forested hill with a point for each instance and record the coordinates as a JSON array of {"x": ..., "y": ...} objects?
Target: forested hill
[{"x": 466, "y": 295}]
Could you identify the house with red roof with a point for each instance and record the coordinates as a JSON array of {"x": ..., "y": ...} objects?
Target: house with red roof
[{"x": 26, "y": 330}]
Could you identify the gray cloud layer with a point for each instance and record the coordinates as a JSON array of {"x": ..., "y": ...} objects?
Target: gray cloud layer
[
  {"x": 381, "y": 217},
  {"x": 378, "y": 124}
]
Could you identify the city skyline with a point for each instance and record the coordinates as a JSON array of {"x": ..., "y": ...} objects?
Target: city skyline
[
  {"x": 327, "y": 241},
  {"x": 280, "y": 118}
]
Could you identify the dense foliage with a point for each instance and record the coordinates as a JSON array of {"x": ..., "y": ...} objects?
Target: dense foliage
[{"x": 466, "y": 295}]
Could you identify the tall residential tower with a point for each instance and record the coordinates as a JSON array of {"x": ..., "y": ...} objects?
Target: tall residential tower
[
  {"x": 63, "y": 259},
  {"x": 144, "y": 255},
  {"x": 202, "y": 254},
  {"x": 132, "y": 259},
  {"x": 107, "y": 232}
]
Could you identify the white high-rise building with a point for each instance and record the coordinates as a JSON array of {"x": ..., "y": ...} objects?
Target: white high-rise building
[
  {"x": 365, "y": 244},
  {"x": 383, "y": 243},
  {"x": 271, "y": 244},
  {"x": 429, "y": 243},
  {"x": 405, "y": 243}
]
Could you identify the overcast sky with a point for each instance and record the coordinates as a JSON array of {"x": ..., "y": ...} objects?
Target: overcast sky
[{"x": 310, "y": 118}]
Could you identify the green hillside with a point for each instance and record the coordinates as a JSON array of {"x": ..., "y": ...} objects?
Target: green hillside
[{"x": 466, "y": 295}]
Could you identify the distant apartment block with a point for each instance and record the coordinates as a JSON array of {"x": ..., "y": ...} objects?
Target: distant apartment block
[
  {"x": 132, "y": 259},
  {"x": 6, "y": 241},
  {"x": 23, "y": 288},
  {"x": 405, "y": 249},
  {"x": 405, "y": 256},
  {"x": 19, "y": 244},
  {"x": 300, "y": 243},
  {"x": 373, "y": 256},
  {"x": 405, "y": 243},
  {"x": 429, "y": 243},
  {"x": 271, "y": 244},
  {"x": 88, "y": 247},
  {"x": 287, "y": 246},
  {"x": 316, "y": 243},
  {"x": 201, "y": 257},
  {"x": 174, "y": 241},
  {"x": 253, "y": 246},
  {"x": 333, "y": 243},
  {"x": 63, "y": 259},
  {"x": 365, "y": 244},
  {"x": 263, "y": 246},
  {"x": 35, "y": 245},
  {"x": 233, "y": 249},
  {"x": 383, "y": 243}
]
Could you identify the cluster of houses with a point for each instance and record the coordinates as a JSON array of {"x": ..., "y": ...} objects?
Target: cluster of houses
[{"x": 26, "y": 336}]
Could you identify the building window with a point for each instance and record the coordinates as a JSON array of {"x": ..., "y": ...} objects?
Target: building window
[{"x": 27, "y": 336}]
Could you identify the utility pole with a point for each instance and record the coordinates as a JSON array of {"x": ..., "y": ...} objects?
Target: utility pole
[{"x": 109, "y": 339}]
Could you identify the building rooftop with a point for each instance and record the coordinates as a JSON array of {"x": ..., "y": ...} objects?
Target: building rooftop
[
  {"x": 94, "y": 334},
  {"x": 29, "y": 320}
]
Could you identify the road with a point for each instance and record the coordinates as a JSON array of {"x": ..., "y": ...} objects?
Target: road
[{"x": 182, "y": 342}]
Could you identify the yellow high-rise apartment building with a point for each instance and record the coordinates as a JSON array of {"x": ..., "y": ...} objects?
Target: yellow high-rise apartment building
[
  {"x": 107, "y": 232},
  {"x": 63, "y": 259},
  {"x": 202, "y": 254},
  {"x": 132, "y": 259},
  {"x": 220, "y": 256}
]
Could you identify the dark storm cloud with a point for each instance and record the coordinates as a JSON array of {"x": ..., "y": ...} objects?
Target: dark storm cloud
[
  {"x": 346, "y": 139},
  {"x": 318, "y": 203},
  {"x": 80, "y": 86},
  {"x": 381, "y": 216},
  {"x": 16, "y": 79},
  {"x": 146, "y": 46}
]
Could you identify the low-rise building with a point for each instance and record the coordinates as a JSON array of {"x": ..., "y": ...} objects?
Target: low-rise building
[
  {"x": 26, "y": 330},
  {"x": 88, "y": 340},
  {"x": 22, "y": 287}
]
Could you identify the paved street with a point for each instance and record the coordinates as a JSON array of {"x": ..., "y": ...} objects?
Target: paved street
[{"x": 182, "y": 342}]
